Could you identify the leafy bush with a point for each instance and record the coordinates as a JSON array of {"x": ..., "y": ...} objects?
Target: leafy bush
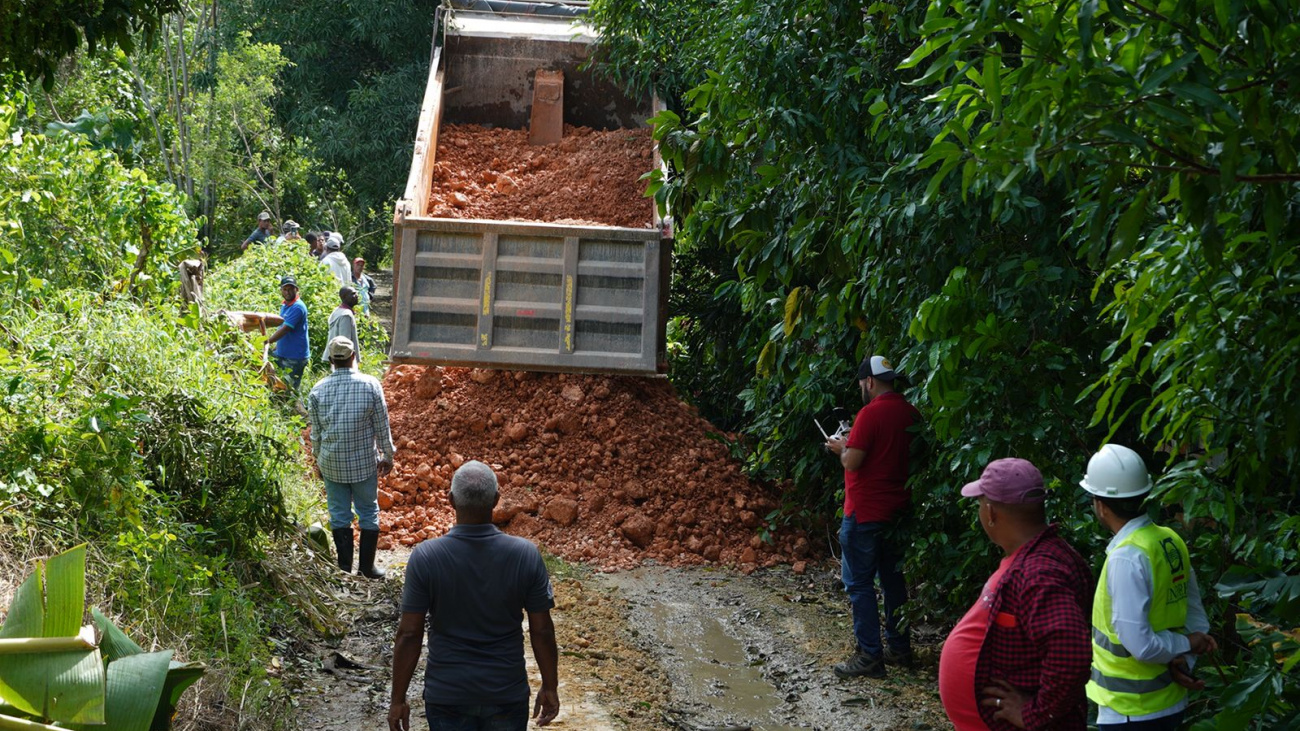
[
  {"x": 252, "y": 282},
  {"x": 113, "y": 407}
]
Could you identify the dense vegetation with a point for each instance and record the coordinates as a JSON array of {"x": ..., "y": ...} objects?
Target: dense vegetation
[
  {"x": 1068, "y": 223},
  {"x": 133, "y": 424}
]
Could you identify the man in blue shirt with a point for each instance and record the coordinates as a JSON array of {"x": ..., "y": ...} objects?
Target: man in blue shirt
[
  {"x": 473, "y": 585},
  {"x": 261, "y": 234},
  {"x": 290, "y": 340}
]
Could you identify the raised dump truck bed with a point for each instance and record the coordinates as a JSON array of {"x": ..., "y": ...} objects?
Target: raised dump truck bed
[{"x": 516, "y": 294}]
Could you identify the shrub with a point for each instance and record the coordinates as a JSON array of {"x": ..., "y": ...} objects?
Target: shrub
[{"x": 252, "y": 283}]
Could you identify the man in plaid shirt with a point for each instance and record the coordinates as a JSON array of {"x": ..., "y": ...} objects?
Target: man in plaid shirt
[
  {"x": 1029, "y": 629},
  {"x": 353, "y": 446}
]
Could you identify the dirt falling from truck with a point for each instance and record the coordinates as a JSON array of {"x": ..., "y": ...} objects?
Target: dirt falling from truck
[
  {"x": 591, "y": 177},
  {"x": 610, "y": 471}
]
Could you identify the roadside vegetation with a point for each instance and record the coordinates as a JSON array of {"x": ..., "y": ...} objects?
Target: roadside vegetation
[
  {"x": 136, "y": 426},
  {"x": 1069, "y": 223}
]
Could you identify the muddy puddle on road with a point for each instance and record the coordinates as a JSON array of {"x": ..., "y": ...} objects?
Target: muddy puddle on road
[
  {"x": 671, "y": 650},
  {"x": 709, "y": 658},
  {"x": 756, "y": 652}
]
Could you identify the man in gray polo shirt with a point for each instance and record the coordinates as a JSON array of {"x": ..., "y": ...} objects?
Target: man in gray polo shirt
[{"x": 473, "y": 585}]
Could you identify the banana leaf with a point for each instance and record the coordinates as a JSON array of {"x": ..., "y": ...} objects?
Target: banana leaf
[
  {"x": 67, "y": 687},
  {"x": 135, "y": 685}
]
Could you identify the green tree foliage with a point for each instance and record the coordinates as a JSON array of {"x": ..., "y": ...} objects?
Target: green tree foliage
[
  {"x": 126, "y": 424},
  {"x": 1070, "y": 222},
  {"x": 34, "y": 37},
  {"x": 355, "y": 86},
  {"x": 73, "y": 216}
]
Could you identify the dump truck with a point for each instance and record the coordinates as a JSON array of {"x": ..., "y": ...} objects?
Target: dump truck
[{"x": 517, "y": 294}]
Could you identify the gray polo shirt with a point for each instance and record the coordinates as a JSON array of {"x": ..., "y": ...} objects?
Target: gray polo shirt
[{"x": 475, "y": 583}]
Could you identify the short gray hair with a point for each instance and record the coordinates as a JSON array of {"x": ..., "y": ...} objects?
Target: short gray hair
[{"x": 474, "y": 486}]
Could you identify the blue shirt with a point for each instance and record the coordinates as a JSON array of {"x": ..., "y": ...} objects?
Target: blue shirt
[
  {"x": 258, "y": 236},
  {"x": 475, "y": 583},
  {"x": 293, "y": 345}
]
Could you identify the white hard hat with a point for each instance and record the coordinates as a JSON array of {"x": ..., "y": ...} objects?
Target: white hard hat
[{"x": 1116, "y": 471}]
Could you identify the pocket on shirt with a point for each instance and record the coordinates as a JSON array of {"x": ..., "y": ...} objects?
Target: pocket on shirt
[{"x": 1005, "y": 619}]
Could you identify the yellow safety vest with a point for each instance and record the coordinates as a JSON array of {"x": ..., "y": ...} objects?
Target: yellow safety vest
[{"x": 1119, "y": 680}]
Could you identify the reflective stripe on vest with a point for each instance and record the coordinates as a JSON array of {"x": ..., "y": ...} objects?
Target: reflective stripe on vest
[
  {"x": 1120, "y": 681},
  {"x": 1100, "y": 639},
  {"x": 1128, "y": 685}
]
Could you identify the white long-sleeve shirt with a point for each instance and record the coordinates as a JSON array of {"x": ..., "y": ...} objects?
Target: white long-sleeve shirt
[
  {"x": 339, "y": 266},
  {"x": 1130, "y": 584}
]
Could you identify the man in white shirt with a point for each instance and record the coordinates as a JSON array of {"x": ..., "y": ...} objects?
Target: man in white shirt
[
  {"x": 1148, "y": 622},
  {"x": 337, "y": 262},
  {"x": 343, "y": 321}
]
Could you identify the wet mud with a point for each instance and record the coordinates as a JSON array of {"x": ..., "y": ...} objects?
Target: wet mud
[{"x": 692, "y": 649}]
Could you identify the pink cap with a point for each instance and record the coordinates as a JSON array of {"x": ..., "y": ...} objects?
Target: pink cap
[{"x": 1009, "y": 480}]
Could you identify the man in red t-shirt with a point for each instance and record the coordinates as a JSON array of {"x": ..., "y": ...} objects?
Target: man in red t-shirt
[
  {"x": 875, "y": 461},
  {"x": 1022, "y": 654}
]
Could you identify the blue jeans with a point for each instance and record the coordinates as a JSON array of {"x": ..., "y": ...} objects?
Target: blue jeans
[
  {"x": 342, "y": 496},
  {"x": 507, "y": 717},
  {"x": 293, "y": 368},
  {"x": 868, "y": 553}
]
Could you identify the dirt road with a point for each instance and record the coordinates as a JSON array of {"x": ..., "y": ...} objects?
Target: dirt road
[{"x": 656, "y": 648}]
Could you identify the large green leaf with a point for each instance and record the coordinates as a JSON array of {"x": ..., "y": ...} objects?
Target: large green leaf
[
  {"x": 65, "y": 593},
  {"x": 179, "y": 677},
  {"x": 61, "y": 686},
  {"x": 114, "y": 644},
  {"x": 135, "y": 685}
]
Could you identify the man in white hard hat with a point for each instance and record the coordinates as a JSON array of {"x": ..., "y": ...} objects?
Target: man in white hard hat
[{"x": 1147, "y": 619}]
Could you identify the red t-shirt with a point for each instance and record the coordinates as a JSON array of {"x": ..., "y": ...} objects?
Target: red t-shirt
[
  {"x": 957, "y": 660},
  {"x": 878, "y": 488}
]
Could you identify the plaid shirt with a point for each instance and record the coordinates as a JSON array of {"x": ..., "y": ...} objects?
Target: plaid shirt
[
  {"x": 1039, "y": 636},
  {"x": 349, "y": 420}
]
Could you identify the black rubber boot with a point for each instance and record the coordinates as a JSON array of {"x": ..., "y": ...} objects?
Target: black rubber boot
[
  {"x": 343, "y": 545},
  {"x": 366, "y": 565}
]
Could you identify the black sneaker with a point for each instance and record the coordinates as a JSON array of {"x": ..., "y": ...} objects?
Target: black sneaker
[
  {"x": 901, "y": 658},
  {"x": 861, "y": 665}
]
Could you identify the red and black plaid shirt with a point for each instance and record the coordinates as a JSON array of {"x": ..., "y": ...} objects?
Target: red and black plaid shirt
[{"x": 1039, "y": 637}]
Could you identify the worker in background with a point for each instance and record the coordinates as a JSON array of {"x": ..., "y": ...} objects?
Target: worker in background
[
  {"x": 875, "y": 459},
  {"x": 292, "y": 349},
  {"x": 1148, "y": 622},
  {"x": 337, "y": 262},
  {"x": 191, "y": 271},
  {"x": 343, "y": 321},
  {"x": 315, "y": 245},
  {"x": 353, "y": 447},
  {"x": 260, "y": 234},
  {"x": 1020, "y": 656},
  {"x": 289, "y": 233},
  {"x": 364, "y": 284},
  {"x": 471, "y": 587}
]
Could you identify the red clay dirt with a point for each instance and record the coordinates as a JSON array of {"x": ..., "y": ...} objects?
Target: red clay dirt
[
  {"x": 606, "y": 470},
  {"x": 590, "y": 177}
]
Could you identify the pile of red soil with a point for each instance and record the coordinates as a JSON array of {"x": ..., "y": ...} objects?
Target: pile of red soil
[
  {"x": 588, "y": 178},
  {"x": 606, "y": 470}
]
